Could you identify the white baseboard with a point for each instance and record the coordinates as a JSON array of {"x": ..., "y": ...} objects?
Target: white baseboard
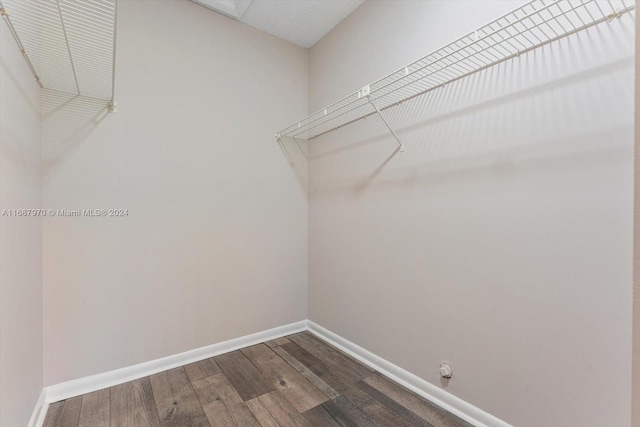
[
  {"x": 91, "y": 383},
  {"x": 438, "y": 396},
  {"x": 434, "y": 394},
  {"x": 40, "y": 410}
]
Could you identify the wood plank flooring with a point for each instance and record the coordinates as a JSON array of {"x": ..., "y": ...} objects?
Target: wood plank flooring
[{"x": 298, "y": 380}]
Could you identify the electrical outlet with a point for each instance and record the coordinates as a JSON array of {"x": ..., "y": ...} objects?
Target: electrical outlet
[{"x": 445, "y": 370}]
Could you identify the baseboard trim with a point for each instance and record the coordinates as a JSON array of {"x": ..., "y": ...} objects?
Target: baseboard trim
[
  {"x": 40, "y": 410},
  {"x": 437, "y": 395},
  {"x": 77, "y": 387}
]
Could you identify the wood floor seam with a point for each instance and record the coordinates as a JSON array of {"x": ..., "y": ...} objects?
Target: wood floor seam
[{"x": 297, "y": 380}]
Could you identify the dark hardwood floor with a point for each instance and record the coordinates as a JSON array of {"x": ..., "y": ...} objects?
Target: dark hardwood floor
[{"x": 294, "y": 381}]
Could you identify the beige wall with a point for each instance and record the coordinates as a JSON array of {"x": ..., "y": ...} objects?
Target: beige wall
[
  {"x": 215, "y": 244},
  {"x": 20, "y": 238},
  {"x": 501, "y": 240}
]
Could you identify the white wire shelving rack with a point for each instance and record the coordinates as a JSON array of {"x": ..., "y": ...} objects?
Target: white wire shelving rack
[
  {"x": 69, "y": 45},
  {"x": 534, "y": 24}
]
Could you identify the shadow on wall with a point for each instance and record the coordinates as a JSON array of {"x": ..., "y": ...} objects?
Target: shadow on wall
[
  {"x": 7, "y": 72},
  {"x": 67, "y": 119},
  {"x": 535, "y": 109},
  {"x": 19, "y": 154},
  {"x": 296, "y": 151}
]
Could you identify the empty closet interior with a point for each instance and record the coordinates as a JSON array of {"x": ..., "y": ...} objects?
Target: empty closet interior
[{"x": 318, "y": 212}]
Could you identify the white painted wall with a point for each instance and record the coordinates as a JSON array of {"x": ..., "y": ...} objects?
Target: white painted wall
[
  {"x": 501, "y": 240},
  {"x": 215, "y": 244},
  {"x": 20, "y": 238}
]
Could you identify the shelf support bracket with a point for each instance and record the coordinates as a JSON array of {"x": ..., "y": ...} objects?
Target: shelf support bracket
[{"x": 365, "y": 91}]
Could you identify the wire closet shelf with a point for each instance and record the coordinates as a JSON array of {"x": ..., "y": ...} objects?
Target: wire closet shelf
[
  {"x": 69, "y": 45},
  {"x": 536, "y": 23}
]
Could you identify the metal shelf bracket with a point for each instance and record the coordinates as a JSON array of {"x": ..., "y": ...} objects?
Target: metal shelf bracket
[{"x": 366, "y": 91}]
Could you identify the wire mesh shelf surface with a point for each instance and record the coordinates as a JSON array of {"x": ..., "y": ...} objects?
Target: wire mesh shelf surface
[
  {"x": 68, "y": 44},
  {"x": 534, "y": 24}
]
